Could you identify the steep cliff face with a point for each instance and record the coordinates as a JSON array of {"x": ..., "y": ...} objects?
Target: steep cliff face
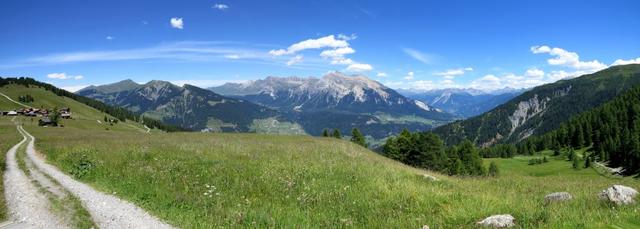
[{"x": 543, "y": 108}]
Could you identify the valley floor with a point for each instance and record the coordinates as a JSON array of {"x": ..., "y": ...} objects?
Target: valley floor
[{"x": 196, "y": 180}]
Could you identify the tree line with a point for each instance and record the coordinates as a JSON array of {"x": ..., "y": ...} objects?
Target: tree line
[
  {"x": 356, "y": 136},
  {"x": 25, "y": 98},
  {"x": 118, "y": 112},
  {"x": 427, "y": 150}
]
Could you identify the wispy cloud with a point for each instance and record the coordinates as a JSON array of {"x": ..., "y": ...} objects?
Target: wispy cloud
[
  {"x": 419, "y": 56},
  {"x": 64, "y": 76}
]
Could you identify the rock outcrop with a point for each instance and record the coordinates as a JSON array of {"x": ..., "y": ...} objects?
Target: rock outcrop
[{"x": 619, "y": 194}]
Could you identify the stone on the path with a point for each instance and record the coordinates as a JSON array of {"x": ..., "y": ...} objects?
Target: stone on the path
[
  {"x": 429, "y": 177},
  {"x": 557, "y": 196},
  {"x": 498, "y": 221},
  {"x": 619, "y": 194}
]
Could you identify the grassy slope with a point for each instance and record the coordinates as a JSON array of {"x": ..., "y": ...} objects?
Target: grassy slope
[
  {"x": 198, "y": 180},
  {"x": 84, "y": 117},
  {"x": 9, "y": 136}
]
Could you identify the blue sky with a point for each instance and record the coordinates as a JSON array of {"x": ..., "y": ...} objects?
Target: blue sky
[{"x": 403, "y": 44}]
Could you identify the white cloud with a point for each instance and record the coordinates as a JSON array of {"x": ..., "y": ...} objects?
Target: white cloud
[
  {"x": 488, "y": 82},
  {"x": 109, "y": 38},
  {"x": 415, "y": 54},
  {"x": 232, "y": 56},
  {"x": 337, "y": 53},
  {"x": 177, "y": 23},
  {"x": 409, "y": 76},
  {"x": 347, "y": 37},
  {"x": 381, "y": 74},
  {"x": 296, "y": 59},
  {"x": 334, "y": 50},
  {"x": 422, "y": 85},
  {"x": 358, "y": 67},
  {"x": 565, "y": 58},
  {"x": 221, "y": 6},
  {"x": 74, "y": 88},
  {"x": 534, "y": 73},
  {"x": 452, "y": 73},
  {"x": 624, "y": 62},
  {"x": 323, "y": 42},
  {"x": 63, "y": 76}
]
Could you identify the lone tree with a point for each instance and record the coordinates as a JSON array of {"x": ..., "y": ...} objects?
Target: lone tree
[
  {"x": 357, "y": 137},
  {"x": 493, "y": 169},
  {"x": 325, "y": 132},
  {"x": 336, "y": 133}
]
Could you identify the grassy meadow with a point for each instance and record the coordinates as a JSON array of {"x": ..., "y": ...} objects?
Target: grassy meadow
[{"x": 196, "y": 180}]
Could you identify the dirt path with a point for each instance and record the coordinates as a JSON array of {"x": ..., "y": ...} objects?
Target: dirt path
[
  {"x": 107, "y": 211},
  {"x": 16, "y": 102},
  {"x": 28, "y": 207}
]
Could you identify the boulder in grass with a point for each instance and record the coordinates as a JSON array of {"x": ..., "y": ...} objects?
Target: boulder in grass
[
  {"x": 429, "y": 177},
  {"x": 619, "y": 194},
  {"x": 557, "y": 196},
  {"x": 498, "y": 221}
]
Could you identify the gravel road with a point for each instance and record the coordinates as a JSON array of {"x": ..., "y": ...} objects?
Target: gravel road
[
  {"x": 107, "y": 211},
  {"x": 27, "y": 206}
]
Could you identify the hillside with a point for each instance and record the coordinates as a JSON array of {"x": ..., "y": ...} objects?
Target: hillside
[
  {"x": 196, "y": 180},
  {"x": 188, "y": 106},
  {"x": 83, "y": 116},
  {"x": 542, "y": 108}
]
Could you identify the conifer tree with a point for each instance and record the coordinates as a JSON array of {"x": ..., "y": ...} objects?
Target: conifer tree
[
  {"x": 357, "y": 137},
  {"x": 336, "y": 133},
  {"x": 587, "y": 162},
  {"x": 325, "y": 132}
]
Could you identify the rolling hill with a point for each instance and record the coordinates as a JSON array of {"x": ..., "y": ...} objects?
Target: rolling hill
[
  {"x": 83, "y": 116},
  {"x": 542, "y": 108}
]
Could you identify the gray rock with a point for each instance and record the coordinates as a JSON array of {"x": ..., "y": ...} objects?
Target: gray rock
[
  {"x": 558, "y": 196},
  {"x": 429, "y": 177},
  {"x": 498, "y": 221},
  {"x": 619, "y": 194}
]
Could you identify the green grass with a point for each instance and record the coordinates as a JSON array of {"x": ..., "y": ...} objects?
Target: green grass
[
  {"x": 196, "y": 180},
  {"x": 9, "y": 136}
]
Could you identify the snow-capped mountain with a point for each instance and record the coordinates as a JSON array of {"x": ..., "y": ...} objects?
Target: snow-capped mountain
[
  {"x": 334, "y": 91},
  {"x": 464, "y": 102}
]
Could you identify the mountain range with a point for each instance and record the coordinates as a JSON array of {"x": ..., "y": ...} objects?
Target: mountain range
[
  {"x": 543, "y": 108},
  {"x": 286, "y": 104},
  {"x": 462, "y": 102},
  {"x": 188, "y": 106}
]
